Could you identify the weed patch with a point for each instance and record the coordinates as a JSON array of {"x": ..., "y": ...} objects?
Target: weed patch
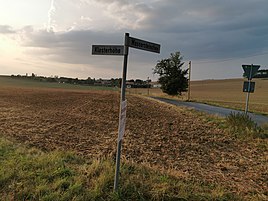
[{"x": 242, "y": 126}]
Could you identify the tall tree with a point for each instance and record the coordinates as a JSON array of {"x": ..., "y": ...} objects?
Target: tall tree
[{"x": 172, "y": 77}]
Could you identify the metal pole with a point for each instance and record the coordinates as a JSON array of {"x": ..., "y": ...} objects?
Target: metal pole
[
  {"x": 148, "y": 86},
  {"x": 249, "y": 82},
  {"x": 247, "y": 100},
  {"x": 189, "y": 81},
  {"x": 123, "y": 98}
]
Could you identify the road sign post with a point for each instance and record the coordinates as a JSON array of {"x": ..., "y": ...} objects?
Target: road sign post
[
  {"x": 247, "y": 99},
  {"x": 189, "y": 81},
  {"x": 123, "y": 50},
  {"x": 123, "y": 98},
  {"x": 250, "y": 71},
  {"x": 139, "y": 44}
]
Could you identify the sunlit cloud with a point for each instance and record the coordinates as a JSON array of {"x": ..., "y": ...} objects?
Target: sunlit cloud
[
  {"x": 6, "y": 29},
  {"x": 51, "y": 21}
]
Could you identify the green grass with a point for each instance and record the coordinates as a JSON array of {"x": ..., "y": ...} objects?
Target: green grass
[
  {"x": 242, "y": 126},
  {"x": 23, "y": 82},
  {"x": 238, "y": 125},
  {"x": 29, "y": 174}
]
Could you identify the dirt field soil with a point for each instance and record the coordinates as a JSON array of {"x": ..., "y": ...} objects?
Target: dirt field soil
[{"x": 157, "y": 135}]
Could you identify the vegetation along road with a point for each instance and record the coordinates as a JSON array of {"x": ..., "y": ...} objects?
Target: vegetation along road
[{"x": 259, "y": 119}]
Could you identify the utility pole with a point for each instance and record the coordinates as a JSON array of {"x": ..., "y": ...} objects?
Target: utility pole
[{"x": 189, "y": 82}]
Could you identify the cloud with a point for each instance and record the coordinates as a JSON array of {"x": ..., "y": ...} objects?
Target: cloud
[
  {"x": 206, "y": 30},
  {"x": 6, "y": 29},
  {"x": 127, "y": 15},
  {"x": 86, "y": 18},
  {"x": 211, "y": 30},
  {"x": 51, "y": 21},
  {"x": 72, "y": 48}
]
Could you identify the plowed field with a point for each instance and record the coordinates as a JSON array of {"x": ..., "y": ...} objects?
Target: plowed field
[{"x": 156, "y": 135}]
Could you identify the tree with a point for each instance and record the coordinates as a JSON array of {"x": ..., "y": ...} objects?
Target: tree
[
  {"x": 261, "y": 74},
  {"x": 172, "y": 78}
]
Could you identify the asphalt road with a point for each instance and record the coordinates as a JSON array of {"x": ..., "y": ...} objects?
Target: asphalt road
[{"x": 259, "y": 119}]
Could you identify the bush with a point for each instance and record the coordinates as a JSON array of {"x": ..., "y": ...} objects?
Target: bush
[{"x": 241, "y": 125}]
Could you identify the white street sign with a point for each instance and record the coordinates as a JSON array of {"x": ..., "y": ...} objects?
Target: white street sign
[
  {"x": 108, "y": 50},
  {"x": 122, "y": 120},
  {"x": 143, "y": 45}
]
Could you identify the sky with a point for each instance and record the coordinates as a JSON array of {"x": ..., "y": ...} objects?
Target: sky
[{"x": 54, "y": 37}]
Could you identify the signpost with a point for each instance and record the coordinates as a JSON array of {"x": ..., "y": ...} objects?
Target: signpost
[
  {"x": 123, "y": 50},
  {"x": 250, "y": 71},
  {"x": 189, "y": 81}
]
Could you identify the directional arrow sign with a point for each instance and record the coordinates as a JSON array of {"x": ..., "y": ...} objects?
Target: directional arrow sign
[
  {"x": 108, "y": 50},
  {"x": 143, "y": 45},
  {"x": 250, "y": 70}
]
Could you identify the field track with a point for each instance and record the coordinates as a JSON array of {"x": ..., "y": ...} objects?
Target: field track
[{"x": 157, "y": 135}]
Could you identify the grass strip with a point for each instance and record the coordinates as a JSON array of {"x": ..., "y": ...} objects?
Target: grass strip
[{"x": 30, "y": 174}]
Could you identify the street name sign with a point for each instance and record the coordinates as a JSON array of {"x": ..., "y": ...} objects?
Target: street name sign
[
  {"x": 249, "y": 87},
  {"x": 250, "y": 70},
  {"x": 143, "y": 45},
  {"x": 108, "y": 50}
]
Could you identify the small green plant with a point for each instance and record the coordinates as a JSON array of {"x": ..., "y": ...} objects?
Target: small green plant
[{"x": 241, "y": 125}]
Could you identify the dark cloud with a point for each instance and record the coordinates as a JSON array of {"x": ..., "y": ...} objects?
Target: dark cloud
[
  {"x": 68, "y": 47},
  {"x": 209, "y": 29},
  {"x": 200, "y": 29},
  {"x": 74, "y": 47}
]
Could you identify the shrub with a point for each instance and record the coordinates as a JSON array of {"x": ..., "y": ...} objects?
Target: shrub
[{"x": 241, "y": 125}]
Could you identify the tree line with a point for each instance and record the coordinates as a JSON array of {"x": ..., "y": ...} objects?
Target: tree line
[
  {"x": 260, "y": 74},
  {"x": 113, "y": 82},
  {"x": 172, "y": 78}
]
